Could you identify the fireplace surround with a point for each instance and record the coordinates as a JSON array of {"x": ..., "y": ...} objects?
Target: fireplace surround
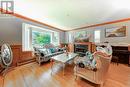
[{"x": 82, "y": 48}]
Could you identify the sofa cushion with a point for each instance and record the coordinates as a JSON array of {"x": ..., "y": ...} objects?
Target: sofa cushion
[
  {"x": 48, "y": 51},
  {"x": 48, "y": 56},
  {"x": 43, "y": 51}
]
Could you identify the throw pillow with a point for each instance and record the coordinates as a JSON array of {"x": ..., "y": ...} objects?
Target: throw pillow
[
  {"x": 90, "y": 62},
  {"x": 56, "y": 49},
  {"x": 108, "y": 49},
  {"x": 52, "y": 50},
  {"x": 48, "y": 51},
  {"x": 87, "y": 62},
  {"x": 89, "y": 55}
]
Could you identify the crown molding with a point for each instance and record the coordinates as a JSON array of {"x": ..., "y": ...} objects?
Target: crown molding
[{"x": 101, "y": 24}]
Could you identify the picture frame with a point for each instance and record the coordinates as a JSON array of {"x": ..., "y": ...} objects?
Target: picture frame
[
  {"x": 81, "y": 36},
  {"x": 115, "y": 32}
]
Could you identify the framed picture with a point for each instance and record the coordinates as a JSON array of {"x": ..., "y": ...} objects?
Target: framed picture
[
  {"x": 81, "y": 36},
  {"x": 116, "y": 32}
]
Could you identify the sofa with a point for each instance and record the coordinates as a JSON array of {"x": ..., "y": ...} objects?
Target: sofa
[{"x": 45, "y": 52}]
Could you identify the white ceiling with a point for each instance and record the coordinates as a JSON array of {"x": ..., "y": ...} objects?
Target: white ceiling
[{"x": 70, "y": 14}]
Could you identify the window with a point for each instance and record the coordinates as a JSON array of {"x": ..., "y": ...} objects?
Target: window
[
  {"x": 40, "y": 38},
  {"x": 70, "y": 37},
  {"x": 33, "y": 35},
  {"x": 97, "y": 36},
  {"x": 55, "y": 38}
]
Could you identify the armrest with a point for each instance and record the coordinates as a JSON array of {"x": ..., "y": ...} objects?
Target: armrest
[{"x": 100, "y": 54}]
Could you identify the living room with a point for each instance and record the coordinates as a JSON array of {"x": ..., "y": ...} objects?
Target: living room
[{"x": 64, "y": 44}]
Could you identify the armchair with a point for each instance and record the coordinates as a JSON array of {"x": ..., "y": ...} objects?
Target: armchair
[
  {"x": 103, "y": 58},
  {"x": 95, "y": 76}
]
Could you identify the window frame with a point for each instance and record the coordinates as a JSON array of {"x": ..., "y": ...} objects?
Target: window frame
[{"x": 35, "y": 28}]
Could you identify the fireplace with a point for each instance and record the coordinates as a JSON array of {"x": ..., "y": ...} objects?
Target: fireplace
[{"x": 82, "y": 48}]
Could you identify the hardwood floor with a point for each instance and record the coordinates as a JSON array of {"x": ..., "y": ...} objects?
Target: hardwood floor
[{"x": 33, "y": 75}]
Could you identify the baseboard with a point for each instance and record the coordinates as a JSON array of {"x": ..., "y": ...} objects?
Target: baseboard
[{"x": 23, "y": 62}]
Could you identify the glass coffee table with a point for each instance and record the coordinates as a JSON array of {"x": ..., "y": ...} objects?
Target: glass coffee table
[{"x": 63, "y": 58}]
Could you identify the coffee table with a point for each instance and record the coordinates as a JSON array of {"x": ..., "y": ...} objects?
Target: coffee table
[{"x": 63, "y": 58}]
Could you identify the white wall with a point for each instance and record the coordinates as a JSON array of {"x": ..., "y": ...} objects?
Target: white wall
[
  {"x": 103, "y": 38},
  {"x": 115, "y": 39},
  {"x": 11, "y": 30}
]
